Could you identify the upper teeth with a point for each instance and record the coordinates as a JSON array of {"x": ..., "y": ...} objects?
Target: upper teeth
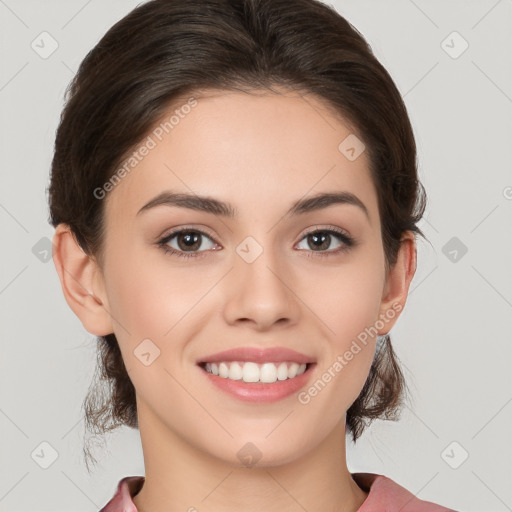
[{"x": 255, "y": 372}]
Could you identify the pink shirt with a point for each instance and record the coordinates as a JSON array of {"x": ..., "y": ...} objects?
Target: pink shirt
[{"x": 384, "y": 496}]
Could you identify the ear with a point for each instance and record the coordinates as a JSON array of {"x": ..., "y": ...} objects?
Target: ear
[
  {"x": 397, "y": 282},
  {"x": 82, "y": 282}
]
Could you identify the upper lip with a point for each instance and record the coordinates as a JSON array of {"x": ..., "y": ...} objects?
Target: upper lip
[{"x": 258, "y": 355}]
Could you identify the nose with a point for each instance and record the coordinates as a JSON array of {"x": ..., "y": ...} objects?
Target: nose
[{"x": 260, "y": 292}]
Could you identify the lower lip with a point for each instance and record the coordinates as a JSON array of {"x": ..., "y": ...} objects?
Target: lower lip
[{"x": 260, "y": 391}]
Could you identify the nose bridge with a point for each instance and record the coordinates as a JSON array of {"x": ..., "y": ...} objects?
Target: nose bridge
[{"x": 260, "y": 288}]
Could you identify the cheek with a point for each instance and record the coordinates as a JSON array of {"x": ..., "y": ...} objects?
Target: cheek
[
  {"x": 149, "y": 302},
  {"x": 349, "y": 305},
  {"x": 145, "y": 297},
  {"x": 347, "y": 299},
  {"x": 356, "y": 307}
]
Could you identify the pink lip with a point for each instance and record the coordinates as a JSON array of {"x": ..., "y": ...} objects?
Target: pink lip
[
  {"x": 258, "y": 392},
  {"x": 258, "y": 355}
]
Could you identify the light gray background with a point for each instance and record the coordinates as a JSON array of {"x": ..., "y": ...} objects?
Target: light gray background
[{"x": 453, "y": 337}]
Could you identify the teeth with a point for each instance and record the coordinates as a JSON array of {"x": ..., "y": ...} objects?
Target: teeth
[{"x": 255, "y": 372}]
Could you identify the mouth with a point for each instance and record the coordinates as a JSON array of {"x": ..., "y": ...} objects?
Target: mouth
[
  {"x": 257, "y": 365},
  {"x": 254, "y": 372},
  {"x": 257, "y": 383}
]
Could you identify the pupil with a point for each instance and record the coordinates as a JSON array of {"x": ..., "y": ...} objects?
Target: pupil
[
  {"x": 191, "y": 240},
  {"x": 320, "y": 238}
]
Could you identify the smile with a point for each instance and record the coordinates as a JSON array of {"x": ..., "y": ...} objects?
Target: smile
[{"x": 249, "y": 371}]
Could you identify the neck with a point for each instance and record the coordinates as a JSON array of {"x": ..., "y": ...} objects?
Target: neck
[{"x": 181, "y": 477}]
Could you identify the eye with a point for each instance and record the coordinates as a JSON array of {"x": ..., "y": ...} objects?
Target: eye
[
  {"x": 187, "y": 244},
  {"x": 320, "y": 240}
]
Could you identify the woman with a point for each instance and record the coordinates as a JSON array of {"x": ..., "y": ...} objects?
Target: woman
[{"x": 235, "y": 197}]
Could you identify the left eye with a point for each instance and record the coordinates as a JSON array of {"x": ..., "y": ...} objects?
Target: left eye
[{"x": 188, "y": 240}]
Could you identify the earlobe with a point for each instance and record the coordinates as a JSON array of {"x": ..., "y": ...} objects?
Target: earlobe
[
  {"x": 78, "y": 274},
  {"x": 398, "y": 280}
]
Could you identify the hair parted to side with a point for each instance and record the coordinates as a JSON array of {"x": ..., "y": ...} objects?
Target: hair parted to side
[{"x": 166, "y": 49}]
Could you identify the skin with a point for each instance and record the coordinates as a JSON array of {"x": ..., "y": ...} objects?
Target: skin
[{"x": 260, "y": 152}]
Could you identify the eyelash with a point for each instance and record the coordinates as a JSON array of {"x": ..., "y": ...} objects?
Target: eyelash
[{"x": 348, "y": 242}]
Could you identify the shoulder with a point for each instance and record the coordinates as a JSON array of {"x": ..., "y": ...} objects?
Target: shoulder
[
  {"x": 384, "y": 492},
  {"x": 122, "y": 501}
]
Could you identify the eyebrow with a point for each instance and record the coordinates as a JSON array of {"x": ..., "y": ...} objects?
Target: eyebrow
[{"x": 216, "y": 207}]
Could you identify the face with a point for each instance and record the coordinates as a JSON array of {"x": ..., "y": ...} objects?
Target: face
[{"x": 268, "y": 276}]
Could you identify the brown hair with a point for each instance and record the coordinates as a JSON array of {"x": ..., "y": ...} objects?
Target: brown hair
[{"x": 164, "y": 49}]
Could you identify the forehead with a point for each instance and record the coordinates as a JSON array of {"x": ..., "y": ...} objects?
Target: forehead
[{"x": 256, "y": 148}]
